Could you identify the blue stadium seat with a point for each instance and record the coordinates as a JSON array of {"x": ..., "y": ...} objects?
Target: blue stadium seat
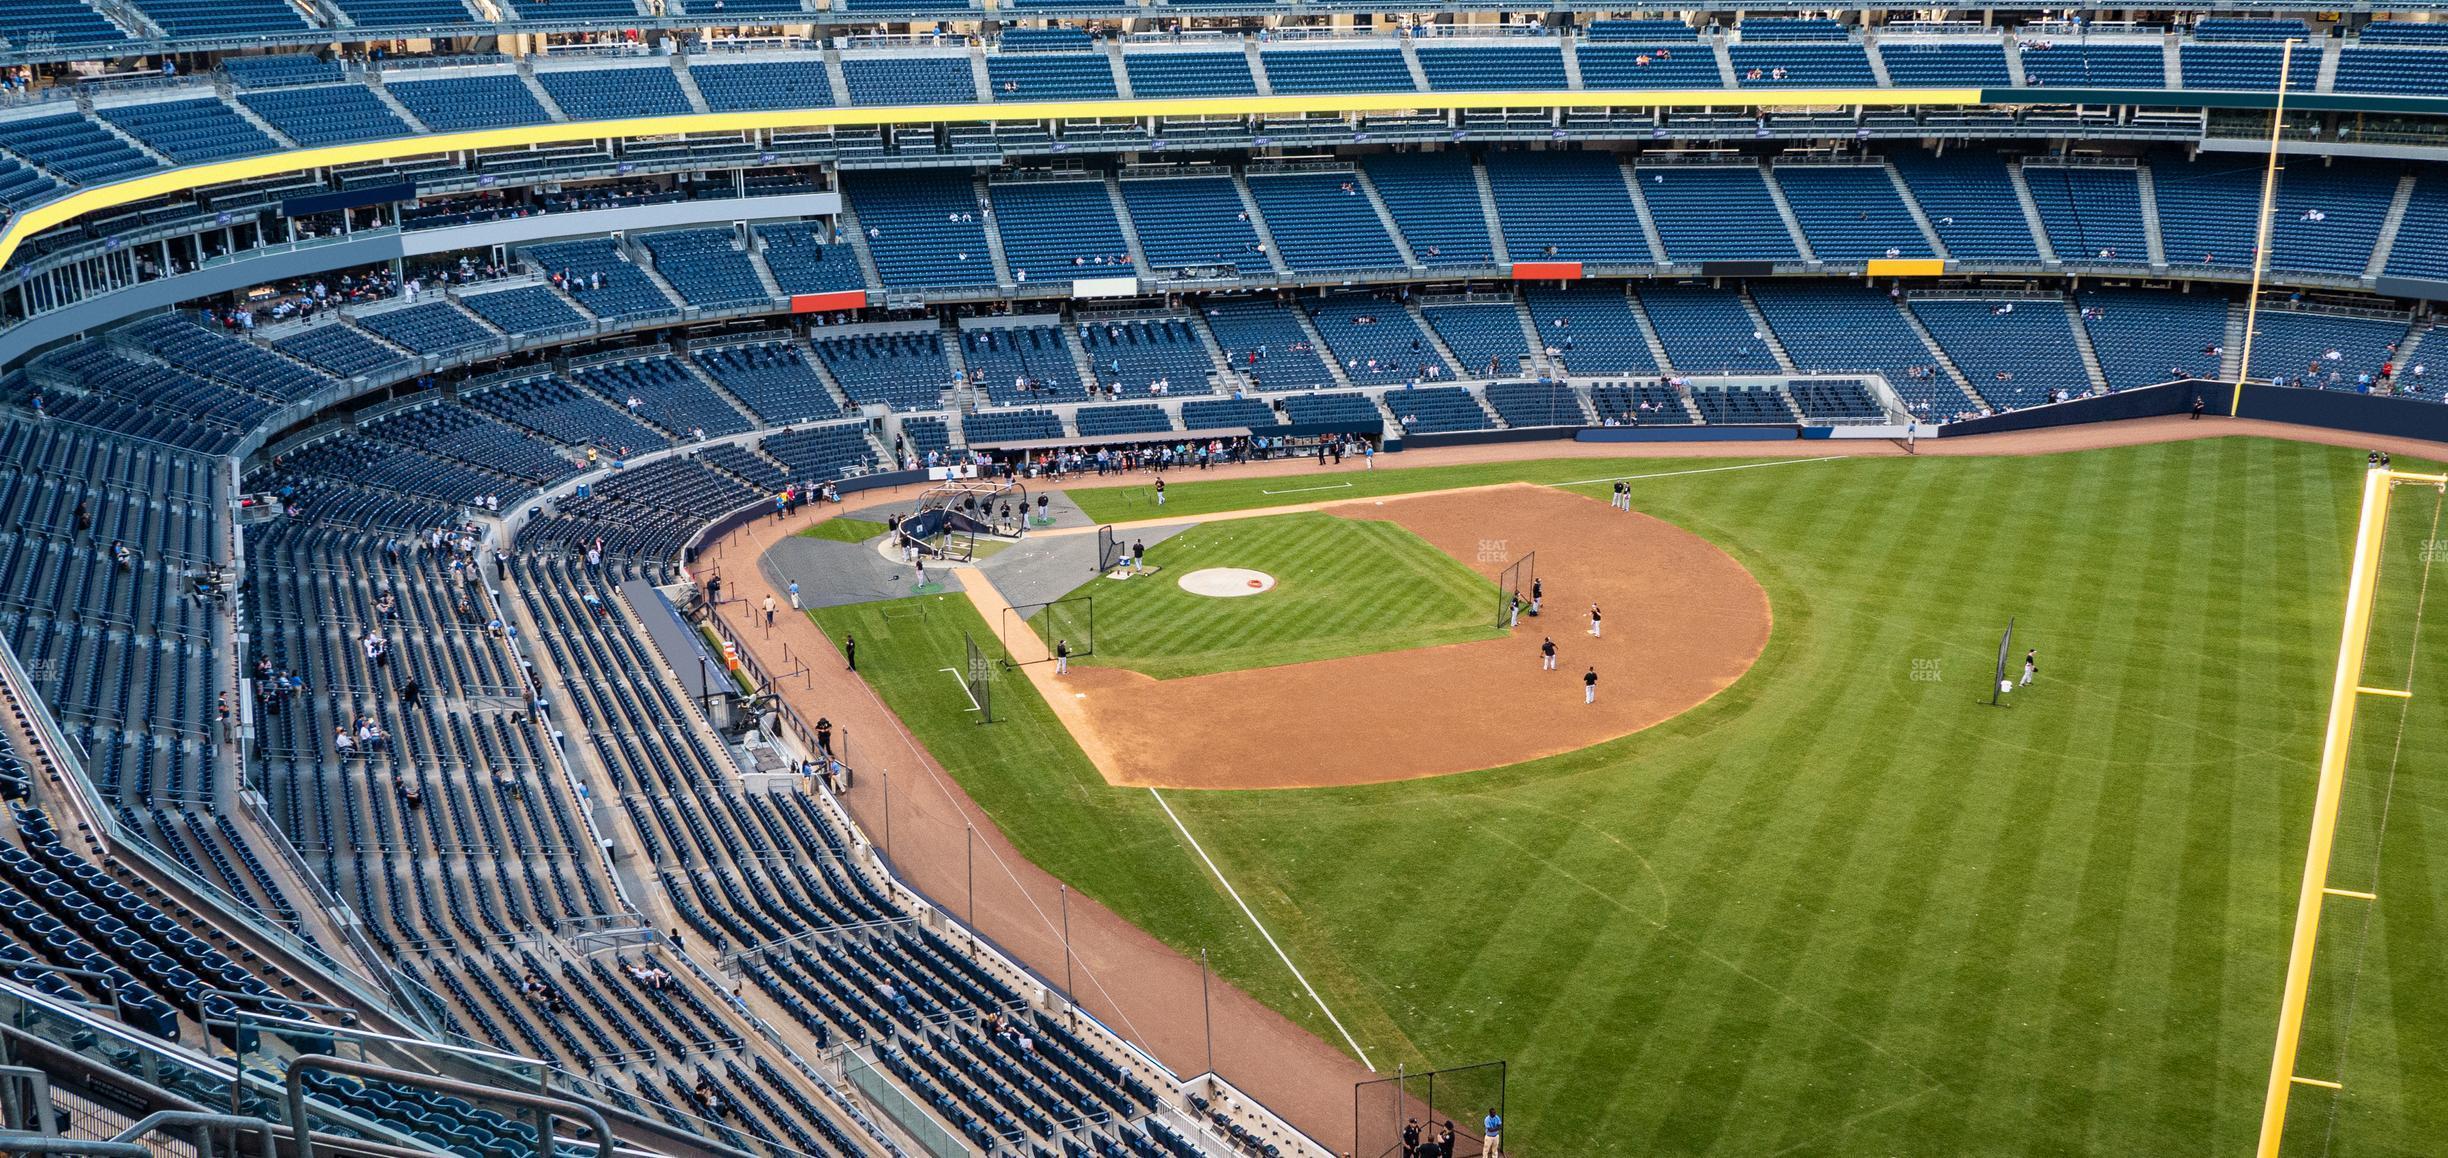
[
  {"x": 707, "y": 267},
  {"x": 1294, "y": 71},
  {"x": 1492, "y": 68},
  {"x": 1195, "y": 221},
  {"x": 335, "y": 114},
  {"x": 1263, "y": 341},
  {"x": 904, "y": 371},
  {"x": 458, "y": 104},
  {"x": 1180, "y": 74},
  {"x": 909, "y": 80},
  {"x": 1022, "y": 365},
  {"x": 1835, "y": 329},
  {"x": 1435, "y": 409},
  {"x": 1800, "y": 65},
  {"x": 773, "y": 378},
  {"x": 1323, "y": 221},
  {"x": 763, "y": 84},
  {"x": 1058, "y": 231},
  {"x": 1648, "y": 65},
  {"x": 600, "y": 276},
  {"x": 191, "y": 132},
  {"x": 802, "y": 263},
  {"x": 2373, "y": 68},
  {"x": 2144, "y": 337},
  {"x": 614, "y": 93},
  {"x": 2097, "y": 65},
  {"x": 1566, "y": 206},
  {"x": 1591, "y": 329},
  {"x": 1931, "y": 64},
  {"x": 1850, "y": 212},
  {"x": 1706, "y": 330},
  {"x": 1136, "y": 353},
  {"x": 1715, "y": 213},
  {"x": 1050, "y": 76},
  {"x": 1376, "y": 340},
  {"x": 288, "y": 68},
  {"x": 922, "y": 228},
  {"x": 1970, "y": 201},
  {"x": 66, "y": 22},
  {"x": 73, "y": 147},
  {"x": 1486, "y": 337},
  {"x": 221, "y": 18},
  {"x": 1434, "y": 198},
  {"x": 2093, "y": 214},
  {"x": 2246, "y": 67},
  {"x": 2015, "y": 358}
]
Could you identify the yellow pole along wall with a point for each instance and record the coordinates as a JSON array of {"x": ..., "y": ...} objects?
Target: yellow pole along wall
[{"x": 111, "y": 196}]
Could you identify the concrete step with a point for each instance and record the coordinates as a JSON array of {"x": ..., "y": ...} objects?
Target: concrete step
[
  {"x": 1487, "y": 208},
  {"x": 2389, "y": 227},
  {"x": 1266, "y": 236},
  {"x": 1385, "y": 217},
  {"x": 1640, "y": 209}
]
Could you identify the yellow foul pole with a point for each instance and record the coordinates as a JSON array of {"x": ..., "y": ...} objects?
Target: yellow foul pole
[
  {"x": 2335, "y": 744},
  {"x": 2261, "y": 241}
]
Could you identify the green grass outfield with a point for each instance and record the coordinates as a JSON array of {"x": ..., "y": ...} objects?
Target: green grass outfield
[
  {"x": 1342, "y": 587},
  {"x": 1844, "y": 908}
]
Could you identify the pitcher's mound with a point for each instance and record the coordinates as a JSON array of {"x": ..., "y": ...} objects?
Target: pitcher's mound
[{"x": 1227, "y": 582}]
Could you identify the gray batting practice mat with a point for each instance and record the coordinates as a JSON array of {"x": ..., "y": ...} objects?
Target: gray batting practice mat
[
  {"x": 830, "y": 574},
  {"x": 1041, "y": 569}
]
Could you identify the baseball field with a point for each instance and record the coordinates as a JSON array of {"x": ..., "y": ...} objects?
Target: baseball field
[{"x": 1842, "y": 905}]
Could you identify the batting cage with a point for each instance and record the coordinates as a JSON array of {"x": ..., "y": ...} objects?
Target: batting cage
[
  {"x": 979, "y": 678},
  {"x": 1072, "y": 621},
  {"x": 1514, "y": 583},
  {"x": 1384, "y": 1108},
  {"x": 1109, "y": 549}
]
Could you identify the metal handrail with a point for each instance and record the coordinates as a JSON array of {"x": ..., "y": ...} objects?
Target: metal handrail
[{"x": 549, "y": 1107}]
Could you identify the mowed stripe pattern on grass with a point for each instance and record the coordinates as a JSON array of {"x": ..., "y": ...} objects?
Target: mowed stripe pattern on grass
[
  {"x": 1845, "y": 908},
  {"x": 1342, "y": 587}
]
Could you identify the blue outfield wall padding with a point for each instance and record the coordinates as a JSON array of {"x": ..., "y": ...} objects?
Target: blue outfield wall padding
[
  {"x": 1689, "y": 434},
  {"x": 2324, "y": 409},
  {"x": 2342, "y": 410},
  {"x": 2146, "y": 402},
  {"x": 1491, "y": 437}
]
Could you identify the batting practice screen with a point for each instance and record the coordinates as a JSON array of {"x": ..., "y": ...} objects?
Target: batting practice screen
[
  {"x": 1382, "y": 1109},
  {"x": 1071, "y": 621},
  {"x": 979, "y": 678},
  {"x": 1109, "y": 550},
  {"x": 1514, "y": 583}
]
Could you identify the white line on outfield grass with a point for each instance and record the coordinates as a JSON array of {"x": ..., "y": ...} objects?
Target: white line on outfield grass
[
  {"x": 1305, "y": 490},
  {"x": 956, "y": 675},
  {"x": 1286, "y": 958},
  {"x": 1697, "y": 470}
]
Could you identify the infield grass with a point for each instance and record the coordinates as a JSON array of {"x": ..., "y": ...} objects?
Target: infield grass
[
  {"x": 1846, "y": 908},
  {"x": 1342, "y": 587}
]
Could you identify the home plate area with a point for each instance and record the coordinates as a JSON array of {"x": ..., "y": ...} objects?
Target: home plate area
[{"x": 1227, "y": 582}]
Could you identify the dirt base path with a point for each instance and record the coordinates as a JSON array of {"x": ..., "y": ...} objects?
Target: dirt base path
[
  {"x": 1683, "y": 621},
  {"x": 1129, "y": 979}
]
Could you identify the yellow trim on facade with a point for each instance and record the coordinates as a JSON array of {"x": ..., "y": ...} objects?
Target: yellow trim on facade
[{"x": 111, "y": 196}]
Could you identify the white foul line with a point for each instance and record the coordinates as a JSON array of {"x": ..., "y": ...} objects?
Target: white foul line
[
  {"x": 1699, "y": 470},
  {"x": 964, "y": 683},
  {"x": 1262, "y": 930},
  {"x": 1342, "y": 486}
]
